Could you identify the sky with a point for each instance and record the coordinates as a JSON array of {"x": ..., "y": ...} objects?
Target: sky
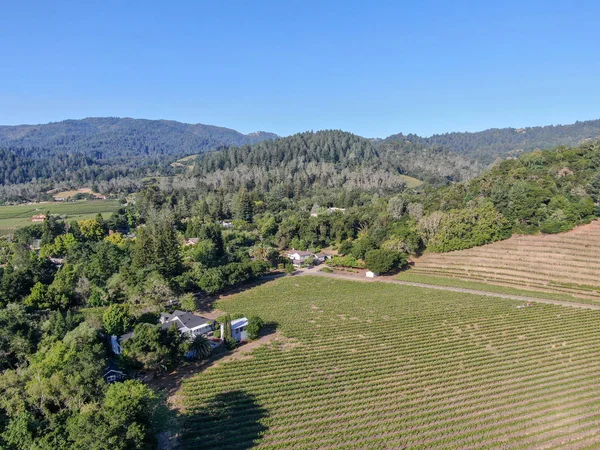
[{"x": 372, "y": 68}]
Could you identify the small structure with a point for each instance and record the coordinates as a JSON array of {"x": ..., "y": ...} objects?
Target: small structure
[
  {"x": 187, "y": 323},
  {"x": 192, "y": 241},
  {"x": 116, "y": 343},
  {"x": 38, "y": 218},
  {"x": 334, "y": 209},
  {"x": 370, "y": 274},
  {"x": 112, "y": 373},
  {"x": 238, "y": 329},
  {"x": 58, "y": 262},
  {"x": 322, "y": 257},
  {"x": 299, "y": 257},
  {"x": 227, "y": 224}
]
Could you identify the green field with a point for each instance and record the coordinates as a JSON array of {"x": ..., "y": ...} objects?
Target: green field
[
  {"x": 376, "y": 365},
  {"x": 13, "y": 217}
]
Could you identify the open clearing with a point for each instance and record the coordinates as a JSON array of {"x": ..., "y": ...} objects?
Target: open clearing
[
  {"x": 380, "y": 365},
  {"x": 13, "y": 217},
  {"x": 561, "y": 263}
]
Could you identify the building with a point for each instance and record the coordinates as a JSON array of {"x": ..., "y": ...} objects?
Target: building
[
  {"x": 299, "y": 257},
  {"x": 322, "y": 257},
  {"x": 226, "y": 224},
  {"x": 238, "y": 329},
  {"x": 192, "y": 241},
  {"x": 113, "y": 374},
  {"x": 370, "y": 274},
  {"x": 334, "y": 209},
  {"x": 39, "y": 218},
  {"x": 116, "y": 343},
  {"x": 187, "y": 323}
]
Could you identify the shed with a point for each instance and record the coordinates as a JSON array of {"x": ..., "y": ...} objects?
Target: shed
[{"x": 370, "y": 274}]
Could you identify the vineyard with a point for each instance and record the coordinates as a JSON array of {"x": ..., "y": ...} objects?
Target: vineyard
[
  {"x": 375, "y": 365},
  {"x": 565, "y": 263},
  {"x": 13, "y": 217}
]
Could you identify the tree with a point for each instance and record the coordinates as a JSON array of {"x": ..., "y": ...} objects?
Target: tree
[
  {"x": 124, "y": 419},
  {"x": 199, "y": 346},
  {"x": 91, "y": 230},
  {"x": 382, "y": 261},
  {"x": 255, "y": 324},
  {"x": 187, "y": 302},
  {"x": 396, "y": 207},
  {"x": 245, "y": 207},
  {"x": 117, "y": 319}
]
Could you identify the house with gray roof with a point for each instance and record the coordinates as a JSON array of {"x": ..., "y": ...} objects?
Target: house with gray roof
[{"x": 187, "y": 323}]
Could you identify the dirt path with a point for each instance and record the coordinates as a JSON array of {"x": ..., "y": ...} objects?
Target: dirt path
[{"x": 382, "y": 279}]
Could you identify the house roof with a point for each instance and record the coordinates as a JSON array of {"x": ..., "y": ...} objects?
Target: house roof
[
  {"x": 300, "y": 253},
  {"x": 238, "y": 323},
  {"x": 111, "y": 366},
  {"x": 186, "y": 319}
]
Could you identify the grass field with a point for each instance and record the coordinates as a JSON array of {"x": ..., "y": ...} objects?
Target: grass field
[
  {"x": 561, "y": 263},
  {"x": 376, "y": 365},
  {"x": 13, "y": 217},
  {"x": 411, "y": 182}
]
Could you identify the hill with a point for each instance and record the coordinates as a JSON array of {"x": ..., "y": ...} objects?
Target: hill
[
  {"x": 106, "y": 137},
  {"x": 488, "y": 145},
  {"x": 567, "y": 262},
  {"x": 329, "y": 159}
]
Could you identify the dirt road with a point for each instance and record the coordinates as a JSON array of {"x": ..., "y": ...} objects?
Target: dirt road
[{"x": 315, "y": 271}]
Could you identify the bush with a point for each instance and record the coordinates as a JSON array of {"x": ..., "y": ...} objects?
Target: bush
[
  {"x": 255, "y": 324},
  {"x": 326, "y": 270},
  {"x": 382, "y": 261},
  {"x": 345, "y": 261}
]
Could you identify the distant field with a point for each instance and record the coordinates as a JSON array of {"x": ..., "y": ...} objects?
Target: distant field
[
  {"x": 13, "y": 217},
  {"x": 561, "y": 263},
  {"x": 411, "y": 182},
  {"x": 377, "y": 365}
]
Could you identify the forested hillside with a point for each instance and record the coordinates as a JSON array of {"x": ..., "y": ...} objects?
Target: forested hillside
[
  {"x": 488, "y": 145},
  {"x": 108, "y": 137},
  {"x": 98, "y": 150},
  {"x": 329, "y": 159}
]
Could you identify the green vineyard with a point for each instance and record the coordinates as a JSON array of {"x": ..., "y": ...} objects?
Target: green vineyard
[
  {"x": 566, "y": 263},
  {"x": 374, "y": 365}
]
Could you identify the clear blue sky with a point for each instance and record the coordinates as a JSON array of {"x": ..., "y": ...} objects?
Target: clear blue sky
[{"x": 373, "y": 68}]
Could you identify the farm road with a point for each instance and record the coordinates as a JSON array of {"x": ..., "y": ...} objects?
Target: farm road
[{"x": 315, "y": 272}]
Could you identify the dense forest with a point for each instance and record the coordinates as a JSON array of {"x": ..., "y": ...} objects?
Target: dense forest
[
  {"x": 114, "y": 155},
  {"x": 109, "y": 137},
  {"x": 329, "y": 159},
  {"x": 488, "y": 145}
]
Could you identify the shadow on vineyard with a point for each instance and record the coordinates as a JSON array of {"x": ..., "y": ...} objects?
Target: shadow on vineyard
[{"x": 230, "y": 420}]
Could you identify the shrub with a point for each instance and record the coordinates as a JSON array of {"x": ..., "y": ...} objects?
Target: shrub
[
  {"x": 255, "y": 324},
  {"x": 326, "y": 270}
]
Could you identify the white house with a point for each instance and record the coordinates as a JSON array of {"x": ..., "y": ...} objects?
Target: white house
[
  {"x": 187, "y": 323},
  {"x": 298, "y": 257},
  {"x": 370, "y": 274},
  {"x": 238, "y": 329}
]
